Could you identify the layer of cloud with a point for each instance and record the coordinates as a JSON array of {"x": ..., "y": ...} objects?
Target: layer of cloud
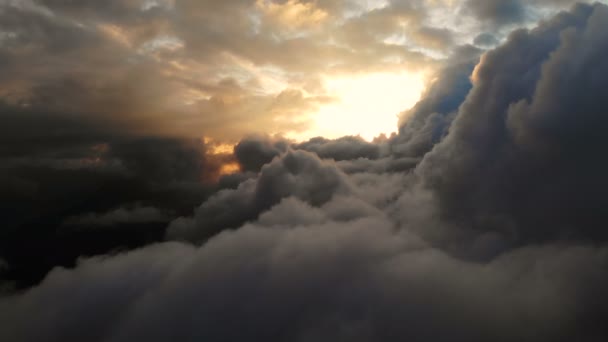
[
  {"x": 178, "y": 68},
  {"x": 65, "y": 177},
  {"x": 136, "y": 214},
  {"x": 358, "y": 280},
  {"x": 482, "y": 219}
]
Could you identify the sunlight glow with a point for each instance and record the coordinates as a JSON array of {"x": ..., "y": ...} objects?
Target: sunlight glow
[
  {"x": 229, "y": 168},
  {"x": 367, "y": 105}
]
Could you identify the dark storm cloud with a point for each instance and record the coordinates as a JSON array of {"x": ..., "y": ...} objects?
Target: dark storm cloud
[
  {"x": 522, "y": 155},
  {"x": 167, "y": 160},
  {"x": 81, "y": 114},
  {"x": 84, "y": 130},
  {"x": 81, "y": 173}
]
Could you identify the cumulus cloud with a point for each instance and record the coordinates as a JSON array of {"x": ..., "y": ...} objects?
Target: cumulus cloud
[
  {"x": 521, "y": 145},
  {"x": 427, "y": 123},
  {"x": 359, "y": 281},
  {"x": 254, "y": 152},
  {"x": 345, "y": 148},
  {"x": 296, "y": 173}
]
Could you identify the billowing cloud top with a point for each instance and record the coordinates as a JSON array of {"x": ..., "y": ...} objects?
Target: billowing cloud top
[{"x": 129, "y": 216}]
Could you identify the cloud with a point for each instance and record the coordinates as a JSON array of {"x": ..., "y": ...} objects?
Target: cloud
[
  {"x": 254, "y": 152},
  {"x": 166, "y": 159},
  {"x": 296, "y": 173},
  {"x": 358, "y": 280},
  {"x": 345, "y": 148},
  {"x": 434, "y": 38},
  {"x": 500, "y": 12},
  {"x": 485, "y": 39},
  {"x": 293, "y": 14},
  {"x": 520, "y": 148},
  {"x": 482, "y": 219},
  {"x": 137, "y": 214},
  {"x": 424, "y": 125},
  {"x": 87, "y": 177},
  {"x": 176, "y": 68}
]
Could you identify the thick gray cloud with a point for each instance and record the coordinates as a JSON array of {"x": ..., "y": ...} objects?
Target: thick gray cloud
[
  {"x": 296, "y": 173},
  {"x": 254, "y": 152},
  {"x": 522, "y": 154},
  {"x": 427, "y": 122},
  {"x": 346, "y": 148},
  {"x": 308, "y": 281}
]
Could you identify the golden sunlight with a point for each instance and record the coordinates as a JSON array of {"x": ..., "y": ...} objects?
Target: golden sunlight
[
  {"x": 367, "y": 105},
  {"x": 229, "y": 168}
]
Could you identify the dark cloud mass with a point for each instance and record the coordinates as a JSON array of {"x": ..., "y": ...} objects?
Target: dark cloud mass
[
  {"x": 485, "y": 39},
  {"x": 527, "y": 139},
  {"x": 498, "y": 11},
  {"x": 482, "y": 219}
]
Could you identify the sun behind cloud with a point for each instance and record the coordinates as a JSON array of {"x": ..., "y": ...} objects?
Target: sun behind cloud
[{"x": 366, "y": 105}]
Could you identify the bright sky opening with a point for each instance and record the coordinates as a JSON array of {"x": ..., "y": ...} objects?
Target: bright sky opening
[{"x": 367, "y": 105}]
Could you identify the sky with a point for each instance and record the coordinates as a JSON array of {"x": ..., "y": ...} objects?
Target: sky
[{"x": 303, "y": 170}]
